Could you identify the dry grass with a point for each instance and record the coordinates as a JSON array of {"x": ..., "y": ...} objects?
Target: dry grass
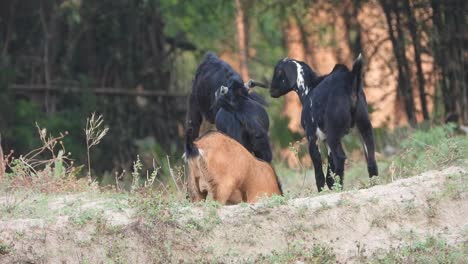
[
  {"x": 46, "y": 169},
  {"x": 94, "y": 133}
]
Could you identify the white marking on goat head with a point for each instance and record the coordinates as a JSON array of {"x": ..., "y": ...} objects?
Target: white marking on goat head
[
  {"x": 221, "y": 91},
  {"x": 301, "y": 88}
]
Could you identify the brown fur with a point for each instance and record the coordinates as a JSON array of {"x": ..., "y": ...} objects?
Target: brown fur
[{"x": 227, "y": 171}]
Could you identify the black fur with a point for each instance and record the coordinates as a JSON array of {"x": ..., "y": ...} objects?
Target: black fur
[
  {"x": 332, "y": 104},
  {"x": 245, "y": 120},
  {"x": 212, "y": 73},
  {"x": 190, "y": 149}
]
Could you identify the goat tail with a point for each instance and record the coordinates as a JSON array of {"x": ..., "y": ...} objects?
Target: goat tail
[
  {"x": 198, "y": 176},
  {"x": 357, "y": 79},
  {"x": 190, "y": 149}
]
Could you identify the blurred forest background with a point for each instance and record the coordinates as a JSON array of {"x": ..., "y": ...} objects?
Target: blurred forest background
[{"x": 133, "y": 62}]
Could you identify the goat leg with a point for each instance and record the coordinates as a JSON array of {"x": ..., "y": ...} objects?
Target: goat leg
[
  {"x": 338, "y": 156},
  {"x": 330, "y": 170},
  {"x": 317, "y": 161},
  {"x": 365, "y": 128}
]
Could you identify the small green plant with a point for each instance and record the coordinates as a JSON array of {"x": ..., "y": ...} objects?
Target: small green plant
[
  {"x": 137, "y": 167},
  {"x": 5, "y": 248},
  {"x": 323, "y": 206},
  {"x": 209, "y": 220},
  {"x": 274, "y": 201},
  {"x": 151, "y": 205},
  {"x": 337, "y": 187},
  {"x": 82, "y": 217}
]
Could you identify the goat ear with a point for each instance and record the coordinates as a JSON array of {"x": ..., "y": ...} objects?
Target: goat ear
[
  {"x": 290, "y": 70},
  {"x": 239, "y": 88}
]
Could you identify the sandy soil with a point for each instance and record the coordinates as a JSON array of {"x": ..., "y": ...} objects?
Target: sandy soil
[{"x": 83, "y": 228}]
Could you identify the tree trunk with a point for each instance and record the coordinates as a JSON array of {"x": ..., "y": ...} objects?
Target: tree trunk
[
  {"x": 353, "y": 27},
  {"x": 449, "y": 24},
  {"x": 304, "y": 39},
  {"x": 455, "y": 15},
  {"x": 398, "y": 41},
  {"x": 439, "y": 56},
  {"x": 9, "y": 28},
  {"x": 412, "y": 26},
  {"x": 242, "y": 40},
  {"x": 49, "y": 27},
  {"x": 2, "y": 161}
]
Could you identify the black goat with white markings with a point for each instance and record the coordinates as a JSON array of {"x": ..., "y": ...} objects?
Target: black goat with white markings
[
  {"x": 331, "y": 105},
  {"x": 240, "y": 117}
]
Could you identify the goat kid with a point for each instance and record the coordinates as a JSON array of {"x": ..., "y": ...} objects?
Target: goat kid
[
  {"x": 220, "y": 166},
  {"x": 331, "y": 105},
  {"x": 211, "y": 75},
  {"x": 244, "y": 120}
]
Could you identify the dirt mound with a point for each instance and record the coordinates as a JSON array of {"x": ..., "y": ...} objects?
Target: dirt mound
[{"x": 345, "y": 226}]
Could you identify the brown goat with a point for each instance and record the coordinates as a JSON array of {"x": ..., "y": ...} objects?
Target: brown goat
[{"x": 220, "y": 166}]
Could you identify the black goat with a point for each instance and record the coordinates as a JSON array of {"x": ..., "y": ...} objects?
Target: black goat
[
  {"x": 331, "y": 104},
  {"x": 244, "y": 120},
  {"x": 211, "y": 75}
]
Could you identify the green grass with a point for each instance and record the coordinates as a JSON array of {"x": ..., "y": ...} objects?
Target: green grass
[
  {"x": 422, "y": 150},
  {"x": 5, "y": 248},
  {"x": 430, "y": 149},
  {"x": 431, "y": 250},
  {"x": 298, "y": 253}
]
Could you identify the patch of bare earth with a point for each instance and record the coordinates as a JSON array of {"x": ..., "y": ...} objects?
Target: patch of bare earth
[{"x": 353, "y": 224}]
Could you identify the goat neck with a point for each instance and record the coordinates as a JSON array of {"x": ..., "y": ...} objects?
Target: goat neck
[{"x": 306, "y": 80}]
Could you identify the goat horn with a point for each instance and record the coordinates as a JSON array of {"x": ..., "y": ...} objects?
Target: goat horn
[{"x": 252, "y": 83}]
